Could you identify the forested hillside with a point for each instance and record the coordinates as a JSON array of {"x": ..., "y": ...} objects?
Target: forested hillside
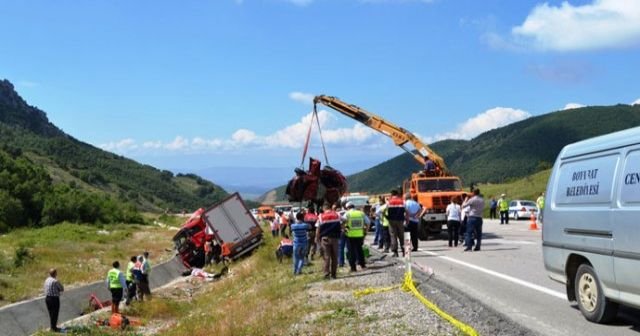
[
  {"x": 506, "y": 153},
  {"x": 509, "y": 152},
  {"x": 61, "y": 166}
]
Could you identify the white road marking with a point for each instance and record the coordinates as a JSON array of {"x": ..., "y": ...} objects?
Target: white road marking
[{"x": 509, "y": 278}]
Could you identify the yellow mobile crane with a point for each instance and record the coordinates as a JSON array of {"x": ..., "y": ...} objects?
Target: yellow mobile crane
[{"x": 433, "y": 192}]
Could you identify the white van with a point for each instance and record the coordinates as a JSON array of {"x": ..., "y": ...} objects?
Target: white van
[{"x": 591, "y": 231}]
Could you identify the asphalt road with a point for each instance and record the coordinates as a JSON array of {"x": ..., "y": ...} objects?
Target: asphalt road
[{"x": 509, "y": 276}]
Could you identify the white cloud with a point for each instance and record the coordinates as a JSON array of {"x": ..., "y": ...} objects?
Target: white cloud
[
  {"x": 488, "y": 120},
  {"x": 597, "y": 25},
  {"x": 119, "y": 146},
  {"x": 178, "y": 143},
  {"x": 636, "y": 102},
  {"x": 570, "y": 106},
  {"x": 302, "y": 97},
  {"x": 290, "y": 137}
]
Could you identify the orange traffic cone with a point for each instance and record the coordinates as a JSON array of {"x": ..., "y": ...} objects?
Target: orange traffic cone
[{"x": 533, "y": 225}]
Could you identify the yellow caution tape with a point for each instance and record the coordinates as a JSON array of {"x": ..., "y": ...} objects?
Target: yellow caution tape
[
  {"x": 367, "y": 291},
  {"x": 408, "y": 286}
]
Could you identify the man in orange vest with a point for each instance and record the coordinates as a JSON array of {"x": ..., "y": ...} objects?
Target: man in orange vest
[
  {"x": 395, "y": 213},
  {"x": 327, "y": 233}
]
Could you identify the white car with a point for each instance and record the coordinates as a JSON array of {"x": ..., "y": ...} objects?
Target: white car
[{"x": 522, "y": 209}]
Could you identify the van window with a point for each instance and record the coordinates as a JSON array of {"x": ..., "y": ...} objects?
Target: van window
[
  {"x": 586, "y": 181},
  {"x": 630, "y": 184}
]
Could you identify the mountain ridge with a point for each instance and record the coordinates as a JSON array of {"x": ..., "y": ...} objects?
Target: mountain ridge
[{"x": 29, "y": 138}]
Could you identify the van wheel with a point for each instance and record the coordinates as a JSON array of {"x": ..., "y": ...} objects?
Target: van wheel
[
  {"x": 591, "y": 300},
  {"x": 515, "y": 215}
]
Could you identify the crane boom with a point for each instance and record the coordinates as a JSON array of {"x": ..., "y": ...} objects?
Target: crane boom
[{"x": 399, "y": 135}]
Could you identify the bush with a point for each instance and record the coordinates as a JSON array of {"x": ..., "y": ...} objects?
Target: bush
[{"x": 22, "y": 256}]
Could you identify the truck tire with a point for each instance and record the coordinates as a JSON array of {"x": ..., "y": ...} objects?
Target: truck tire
[
  {"x": 591, "y": 300},
  {"x": 423, "y": 230}
]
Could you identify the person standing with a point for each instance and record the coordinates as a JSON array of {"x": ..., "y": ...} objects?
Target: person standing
[
  {"x": 52, "y": 290},
  {"x": 463, "y": 218},
  {"x": 376, "y": 220},
  {"x": 129, "y": 278},
  {"x": 310, "y": 218},
  {"x": 395, "y": 213},
  {"x": 474, "y": 206},
  {"x": 493, "y": 206},
  {"x": 413, "y": 212},
  {"x": 146, "y": 273},
  {"x": 116, "y": 284},
  {"x": 274, "y": 227},
  {"x": 356, "y": 224},
  {"x": 327, "y": 233},
  {"x": 503, "y": 206},
  {"x": 540, "y": 204},
  {"x": 453, "y": 221},
  {"x": 137, "y": 278},
  {"x": 385, "y": 240},
  {"x": 299, "y": 230},
  {"x": 342, "y": 241},
  {"x": 208, "y": 251},
  {"x": 284, "y": 222}
]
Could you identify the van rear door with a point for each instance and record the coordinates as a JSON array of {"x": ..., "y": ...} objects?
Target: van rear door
[{"x": 626, "y": 231}]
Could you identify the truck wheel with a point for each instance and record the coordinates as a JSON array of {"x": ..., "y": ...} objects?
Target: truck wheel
[
  {"x": 423, "y": 230},
  {"x": 591, "y": 300},
  {"x": 515, "y": 215}
]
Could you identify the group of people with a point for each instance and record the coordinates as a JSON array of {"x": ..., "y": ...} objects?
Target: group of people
[
  {"x": 133, "y": 284},
  {"x": 394, "y": 216},
  {"x": 464, "y": 220},
  {"x": 331, "y": 232}
]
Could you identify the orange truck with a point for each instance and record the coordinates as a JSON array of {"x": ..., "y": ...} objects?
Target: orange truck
[
  {"x": 266, "y": 212},
  {"x": 434, "y": 190}
]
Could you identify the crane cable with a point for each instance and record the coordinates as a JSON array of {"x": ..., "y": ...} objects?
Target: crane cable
[{"x": 308, "y": 138}]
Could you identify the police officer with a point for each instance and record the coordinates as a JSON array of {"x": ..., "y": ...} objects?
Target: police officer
[{"x": 356, "y": 224}]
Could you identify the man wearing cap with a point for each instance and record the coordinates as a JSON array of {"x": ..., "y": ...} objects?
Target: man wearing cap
[
  {"x": 503, "y": 206},
  {"x": 356, "y": 225}
]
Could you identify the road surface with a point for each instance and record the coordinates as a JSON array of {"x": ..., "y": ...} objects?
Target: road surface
[{"x": 509, "y": 275}]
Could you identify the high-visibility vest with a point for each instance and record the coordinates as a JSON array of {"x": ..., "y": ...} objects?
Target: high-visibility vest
[
  {"x": 129, "y": 274},
  {"x": 503, "y": 204},
  {"x": 226, "y": 250},
  {"x": 540, "y": 202},
  {"x": 383, "y": 220},
  {"x": 114, "y": 278},
  {"x": 355, "y": 224}
]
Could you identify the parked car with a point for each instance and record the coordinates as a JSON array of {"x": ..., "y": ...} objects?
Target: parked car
[{"x": 522, "y": 209}]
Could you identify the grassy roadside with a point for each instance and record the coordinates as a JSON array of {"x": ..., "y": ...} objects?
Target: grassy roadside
[{"x": 81, "y": 253}]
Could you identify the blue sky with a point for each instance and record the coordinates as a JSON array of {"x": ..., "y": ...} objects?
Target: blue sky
[{"x": 226, "y": 83}]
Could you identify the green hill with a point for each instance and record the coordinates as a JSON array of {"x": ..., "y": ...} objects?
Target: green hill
[
  {"x": 33, "y": 146},
  {"x": 507, "y": 153}
]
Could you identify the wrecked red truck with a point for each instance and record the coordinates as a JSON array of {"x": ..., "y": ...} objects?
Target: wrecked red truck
[{"x": 228, "y": 222}]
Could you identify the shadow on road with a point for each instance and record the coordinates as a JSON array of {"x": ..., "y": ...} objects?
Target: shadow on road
[{"x": 627, "y": 317}]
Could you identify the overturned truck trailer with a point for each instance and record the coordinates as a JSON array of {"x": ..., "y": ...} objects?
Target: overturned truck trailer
[{"x": 228, "y": 222}]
